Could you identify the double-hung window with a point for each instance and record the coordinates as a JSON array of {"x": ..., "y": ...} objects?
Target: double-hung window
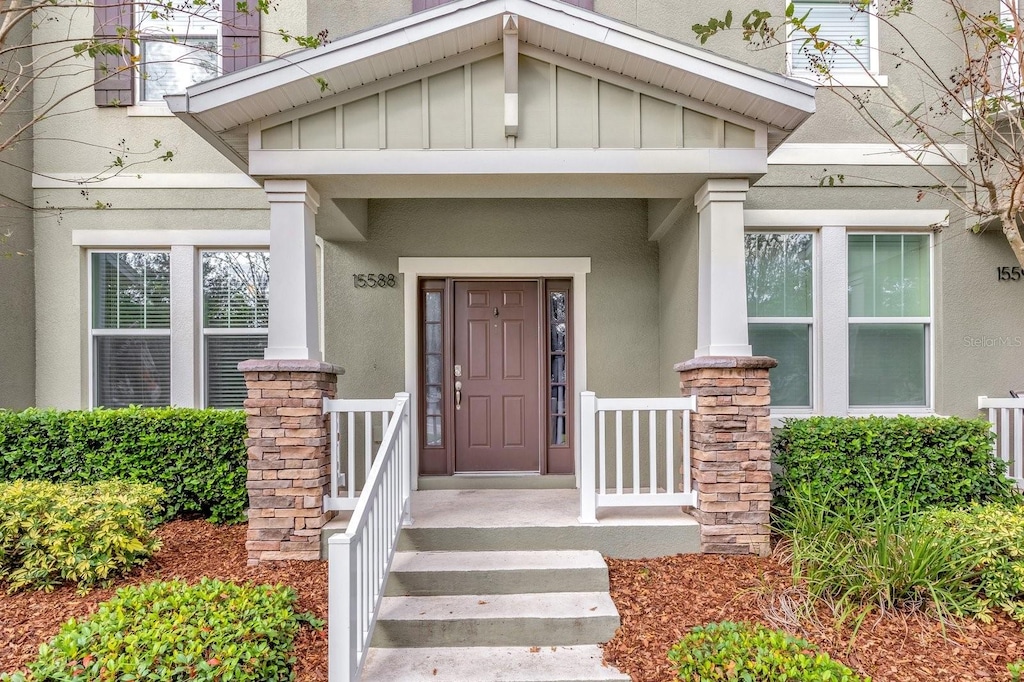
[
  {"x": 236, "y": 307},
  {"x": 852, "y": 31},
  {"x": 131, "y": 328},
  {"x": 890, "y": 308},
  {"x": 780, "y": 310},
  {"x": 177, "y": 49}
]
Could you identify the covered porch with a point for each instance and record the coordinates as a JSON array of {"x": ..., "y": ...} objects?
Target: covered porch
[{"x": 598, "y": 170}]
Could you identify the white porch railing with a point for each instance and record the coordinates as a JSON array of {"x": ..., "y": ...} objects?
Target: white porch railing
[
  {"x": 359, "y": 560},
  {"x": 360, "y": 424},
  {"x": 663, "y": 480},
  {"x": 1007, "y": 418}
]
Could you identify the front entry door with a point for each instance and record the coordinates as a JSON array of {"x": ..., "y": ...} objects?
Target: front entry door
[{"x": 497, "y": 384}]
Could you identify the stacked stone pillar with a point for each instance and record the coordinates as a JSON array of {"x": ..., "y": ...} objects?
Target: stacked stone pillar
[
  {"x": 730, "y": 451},
  {"x": 289, "y": 456}
]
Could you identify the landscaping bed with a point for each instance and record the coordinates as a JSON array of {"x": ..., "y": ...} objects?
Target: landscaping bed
[{"x": 660, "y": 599}]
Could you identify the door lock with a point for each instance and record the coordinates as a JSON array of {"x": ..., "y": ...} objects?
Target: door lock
[{"x": 458, "y": 371}]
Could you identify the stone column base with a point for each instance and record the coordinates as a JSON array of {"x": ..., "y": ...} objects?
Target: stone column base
[
  {"x": 730, "y": 451},
  {"x": 289, "y": 456}
]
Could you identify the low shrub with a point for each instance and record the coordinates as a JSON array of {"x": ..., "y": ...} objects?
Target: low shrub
[
  {"x": 1016, "y": 670},
  {"x": 744, "y": 651},
  {"x": 886, "y": 557},
  {"x": 198, "y": 457},
  {"x": 930, "y": 461},
  {"x": 85, "y": 534},
  {"x": 168, "y": 631},
  {"x": 995, "y": 536}
]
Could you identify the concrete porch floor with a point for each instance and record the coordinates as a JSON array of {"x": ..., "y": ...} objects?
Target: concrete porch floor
[{"x": 497, "y": 520}]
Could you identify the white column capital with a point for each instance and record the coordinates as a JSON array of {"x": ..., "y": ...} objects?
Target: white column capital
[
  {"x": 721, "y": 190},
  {"x": 292, "y": 192}
]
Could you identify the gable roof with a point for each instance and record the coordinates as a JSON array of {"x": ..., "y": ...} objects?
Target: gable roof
[{"x": 294, "y": 79}]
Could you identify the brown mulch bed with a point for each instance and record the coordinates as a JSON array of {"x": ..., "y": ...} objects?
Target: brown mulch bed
[
  {"x": 660, "y": 599},
  {"x": 191, "y": 550}
]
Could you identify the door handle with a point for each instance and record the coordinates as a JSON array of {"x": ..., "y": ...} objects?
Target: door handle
[{"x": 458, "y": 395}]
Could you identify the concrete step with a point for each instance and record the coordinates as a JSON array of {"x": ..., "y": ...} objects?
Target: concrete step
[
  {"x": 490, "y": 664},
  {"x": 546, "y": 620},
  {"x": 424, "y": 574}
]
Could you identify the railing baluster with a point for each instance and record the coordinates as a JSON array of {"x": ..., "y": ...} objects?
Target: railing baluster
[
  {"x": 685, "y": 463},
  {"x": 1018, "y": 443},
  {"x": 670, "y": 446},
  {"x": 602, "y": 472},
  {"x": 618, "y": 452},
  {"x": 652, "y": 448},
  {"x": 367, "y": 441},
  {"x": 351, "y": 477},
  {"x": 636, "y": 452}
]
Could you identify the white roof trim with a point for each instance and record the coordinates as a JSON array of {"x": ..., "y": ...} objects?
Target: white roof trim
[{"x": 715, "y": 75}]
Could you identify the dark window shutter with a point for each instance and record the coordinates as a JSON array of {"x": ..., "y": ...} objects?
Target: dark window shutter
[
  {"x": 114, "y": 76},
  {"x": 241, "y": 34}
]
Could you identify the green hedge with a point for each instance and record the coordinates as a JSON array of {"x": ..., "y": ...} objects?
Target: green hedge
[
  {"x": 169, "y": 631},
  {"x": 198, "y": 457},
  {"x": 54, "y": 533},
  {"x": 745, "y": 651},
  {"x": 929, "y": 461}
]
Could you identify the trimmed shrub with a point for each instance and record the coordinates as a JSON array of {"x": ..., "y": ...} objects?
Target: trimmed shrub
[
  {"x": 1016, "y": 670},
  {"x": 168, "y": 631},
  {"x": 745, "y": 651},
  {"x": 86, "y": 534},
  {"x": 198, "y": 457},
  {"x": 929, "y": 461},
  {"x": 995, "y": 536}
]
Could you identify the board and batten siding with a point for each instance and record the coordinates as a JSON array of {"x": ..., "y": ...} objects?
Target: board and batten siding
[{"x": 464, "y": 109}]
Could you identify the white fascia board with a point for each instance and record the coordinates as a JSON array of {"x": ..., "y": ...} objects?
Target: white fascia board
[
  {"x": 100, "y": 239},
  {"x": 858, "y": 154},
  {"x": 305, "y": 162},
  {"x": 130, "y": 180},
  {"x": 871, "y": 218},
  {"x": 590, "y": 26}
]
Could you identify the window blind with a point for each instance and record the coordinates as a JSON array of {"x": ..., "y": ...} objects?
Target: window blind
[
  {"x": 841, "y": 24},
  {"x": 131, "y": 290},
  {"x": 225, "y": 385}
]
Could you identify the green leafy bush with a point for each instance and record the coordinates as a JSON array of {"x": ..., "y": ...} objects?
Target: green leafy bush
[
  {"x": 885, "y": 556},
  {"x": 930, "y": 461},
  {"x": 1016, "y": 670},
  {"x": 995, "y": 536},
  {"x": 748, "y": 652},
  {"x": 168, "y": 631},
  {"x": 86, "y": 534},
  {"x": 198, "y": 457}
]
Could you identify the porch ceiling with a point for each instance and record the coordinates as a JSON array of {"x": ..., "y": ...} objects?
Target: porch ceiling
[{"x": 221, "y": 109}]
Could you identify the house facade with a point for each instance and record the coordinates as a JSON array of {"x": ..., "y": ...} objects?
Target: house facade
[{"x": 492, "y": 205}]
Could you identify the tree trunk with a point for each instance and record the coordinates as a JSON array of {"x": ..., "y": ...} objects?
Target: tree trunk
[{"x": 1012, "y": 231}]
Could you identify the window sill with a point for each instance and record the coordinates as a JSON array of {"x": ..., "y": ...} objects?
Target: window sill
[
  {"x": 149, "y": 109},
  {"x": 852, "y": 79},
  {"x": 892, "y": 412}
]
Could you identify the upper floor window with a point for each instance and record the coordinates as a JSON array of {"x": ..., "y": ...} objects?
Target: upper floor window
[
  {"x": 852, "y": 29},
  {"x": 177, "y": 49}
]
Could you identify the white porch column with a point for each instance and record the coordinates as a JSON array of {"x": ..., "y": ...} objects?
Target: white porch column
[
  {"x": 294, "y": 325},
  {"x": 722, "y": 292}
]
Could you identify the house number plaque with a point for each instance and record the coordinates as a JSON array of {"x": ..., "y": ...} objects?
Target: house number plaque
[
  {"x": 373, "y": 281},
  {"x": 1007, "y": 274}
]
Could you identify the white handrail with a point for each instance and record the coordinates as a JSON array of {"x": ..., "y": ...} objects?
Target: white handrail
[
  {"x": 348, "y": 463},
  {"x": 1006, "y": 415},
  {"x": 663, "y": 480},
  {"x": 359, "y": 560}
]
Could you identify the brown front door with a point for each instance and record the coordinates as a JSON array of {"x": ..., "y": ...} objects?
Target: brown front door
[{"x": 497, "y": 367}]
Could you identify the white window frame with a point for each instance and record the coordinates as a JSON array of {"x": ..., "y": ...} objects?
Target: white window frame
[
  {"x": 202, "y": 331},
  {"x": 814, "y": 321},
  {"x": 832, "y": 309},
  {"x": 159, "y": 107},
  {"x": 91, "y": 330},
  {"x": 871, "y": 77},
  {"x": 929, "y": 333},
  {"x": 1009, "y": 63}
]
